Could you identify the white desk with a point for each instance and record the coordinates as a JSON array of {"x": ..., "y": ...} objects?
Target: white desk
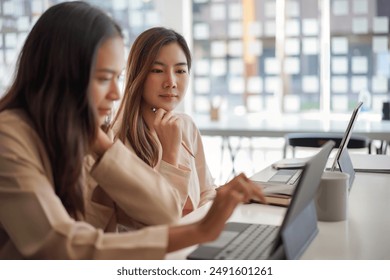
[{"x": 364, "y": 235}]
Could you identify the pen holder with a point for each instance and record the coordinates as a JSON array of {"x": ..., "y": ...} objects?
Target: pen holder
[{"x": 332, "y": 197}]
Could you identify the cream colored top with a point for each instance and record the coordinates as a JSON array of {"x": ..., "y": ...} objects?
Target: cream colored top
[
  {"x": 200, "y": 188},
  {"x": 35, "y": 225}
]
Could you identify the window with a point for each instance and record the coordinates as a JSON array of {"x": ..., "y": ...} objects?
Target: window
[
  {"x": 359, "y": 53},
  {"x": 18, "y": 17},
  {"x": 290, "y": 55}
]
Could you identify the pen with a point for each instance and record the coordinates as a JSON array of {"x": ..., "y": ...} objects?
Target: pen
[
  {"x": 187, "y": 149},
  {"x": 182, "y": 143}
]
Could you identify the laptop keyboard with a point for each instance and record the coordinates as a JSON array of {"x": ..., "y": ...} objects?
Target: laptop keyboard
[
  {"x": 255, "y": 242},
  {"x": 286, "y": 176}
]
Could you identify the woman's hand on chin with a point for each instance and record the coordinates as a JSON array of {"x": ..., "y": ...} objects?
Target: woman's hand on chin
[{"x": 102, "y": 143}]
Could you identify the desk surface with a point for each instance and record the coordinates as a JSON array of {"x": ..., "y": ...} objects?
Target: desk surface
[
  {"x": 257, "y": 125},
  {"x": 364, "y": 235}
]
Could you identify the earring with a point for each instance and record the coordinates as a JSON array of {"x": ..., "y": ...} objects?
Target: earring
[{"x": 107, "y": 120}]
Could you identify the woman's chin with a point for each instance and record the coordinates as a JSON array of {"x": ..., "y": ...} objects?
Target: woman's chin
[{"x": 101, "y": 120}]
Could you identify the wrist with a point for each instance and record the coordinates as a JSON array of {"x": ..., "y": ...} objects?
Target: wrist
[
  {"x": 183, "y": 236},
  {"x": 103, "y": 147},
  {"x": 202, "y": 233},
  {"x": 171, "y": 159}
]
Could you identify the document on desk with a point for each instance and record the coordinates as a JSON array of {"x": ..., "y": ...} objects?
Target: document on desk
[
  {"x": 274, "y": 181},
  {"x": 277, "y": 199},
  {"x": 291, "y": 163},
  {"x": 272, "y": 188},
  {"x": 371, "y": 163}
]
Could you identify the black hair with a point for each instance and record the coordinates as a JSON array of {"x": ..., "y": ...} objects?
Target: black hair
[{"x": 51, "y": 85}]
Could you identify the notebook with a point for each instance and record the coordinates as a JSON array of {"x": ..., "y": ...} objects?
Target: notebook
[
  {"x": 288, "y": 241},
  {"x": 283, "y": 175},
  {"x": 371, "y": 163}
]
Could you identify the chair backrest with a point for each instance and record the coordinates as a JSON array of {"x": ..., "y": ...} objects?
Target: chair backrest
[{"x": 316, "y": 140}]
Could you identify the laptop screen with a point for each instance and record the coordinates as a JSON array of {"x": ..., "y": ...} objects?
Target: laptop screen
[
  {"x": 300, "y": 222},
  {"x": 347, "y": 136}
]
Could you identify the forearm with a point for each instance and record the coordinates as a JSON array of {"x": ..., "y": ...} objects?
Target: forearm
[
  {"x": 135, "y": 187},
  {"x": 180, "y": 237},
  {"x": 178, "y": 178}
]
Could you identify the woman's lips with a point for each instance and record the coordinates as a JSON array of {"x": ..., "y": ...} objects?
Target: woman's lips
[
  {"x": 168, "y": 95},
  {"x": 104, "y": 111}
]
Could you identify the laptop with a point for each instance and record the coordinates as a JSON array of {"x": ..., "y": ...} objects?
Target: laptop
[
  {"x": 288, "y": 241},
  {"x": 283, "y": 175},
  {"x": 342, "y": 160}
]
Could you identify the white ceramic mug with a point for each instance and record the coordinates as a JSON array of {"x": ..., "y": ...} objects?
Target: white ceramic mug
[{"x": 332, "y": 197}]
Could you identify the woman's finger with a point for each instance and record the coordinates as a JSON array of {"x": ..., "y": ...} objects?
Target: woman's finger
[
  {"x": 250, "y": 189},
  {"x": 257, "y": 191},
  {"x": 160, "y": 113}
]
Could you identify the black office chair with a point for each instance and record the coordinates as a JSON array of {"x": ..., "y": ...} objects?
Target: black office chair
[
  {"x": 383, "y": 147},
  {"x": 316, "y": 140}
]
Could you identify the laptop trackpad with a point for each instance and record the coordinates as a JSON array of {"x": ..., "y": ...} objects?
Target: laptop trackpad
[
  {"x": 224, "y": 238},
  {"x": 211, "y": 249},
  {"x": 280, "y": 178}
]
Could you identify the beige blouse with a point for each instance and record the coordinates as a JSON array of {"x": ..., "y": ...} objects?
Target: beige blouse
[
  {"x": 35, "y": 225},
  {"x": 200, "y": 187}
]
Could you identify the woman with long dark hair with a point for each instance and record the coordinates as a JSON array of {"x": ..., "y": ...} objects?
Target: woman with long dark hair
[
  {"x": 65, "y": 84},
  {"x": 158, "y": 71}
]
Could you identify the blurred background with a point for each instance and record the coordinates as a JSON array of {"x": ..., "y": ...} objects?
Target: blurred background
[{"x": 251, "y": 56}]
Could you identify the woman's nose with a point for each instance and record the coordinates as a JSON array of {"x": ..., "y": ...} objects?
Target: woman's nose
[
  {"x": 170, "y": 81},
  {"x": 115, "y": 91}
]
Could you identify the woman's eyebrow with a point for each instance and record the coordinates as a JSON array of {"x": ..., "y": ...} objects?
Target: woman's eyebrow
[
  {"x": 107, "y": 70},
  {"x": 177, "y": 64}
]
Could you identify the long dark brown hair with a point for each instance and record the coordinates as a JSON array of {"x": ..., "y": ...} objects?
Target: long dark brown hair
[
  {"x": 51, "y": 85},
  {"x": 142, "y": 55}
]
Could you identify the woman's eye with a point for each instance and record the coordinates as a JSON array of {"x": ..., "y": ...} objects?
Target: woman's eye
[
  {"x": 103, "y": 79},
  {"x": 181, "y": 71},
  {"x": 156, "y": 71},
  {"x": 120, "y": 77}
]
